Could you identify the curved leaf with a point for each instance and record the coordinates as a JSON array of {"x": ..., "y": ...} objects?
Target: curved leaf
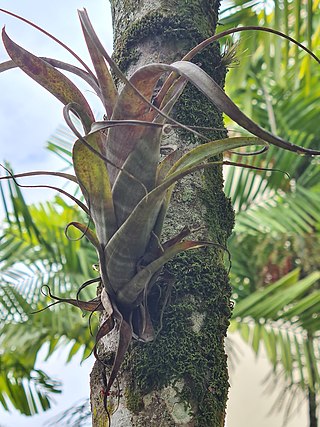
[
  {"x": 8, "y": 65},
  {"x": 48, "y": 77},
  {"x": 142, "y": 164},
  {"x": 130, "y": 106},
  {"x": 216, "y": 95},
  {"x": 129, "y": 244},
  {"x": 90, "y": 235},
  {"x": 129, "y": 294}
]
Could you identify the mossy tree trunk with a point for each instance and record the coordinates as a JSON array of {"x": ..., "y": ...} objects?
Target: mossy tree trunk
[{"x": 181, "y": 378}]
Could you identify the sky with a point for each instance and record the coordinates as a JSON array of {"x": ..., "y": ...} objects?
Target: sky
[{"x": 28, "y": 117}]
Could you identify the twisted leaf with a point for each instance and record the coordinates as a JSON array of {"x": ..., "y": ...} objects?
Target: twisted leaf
[{"x": 48, "y": 77}]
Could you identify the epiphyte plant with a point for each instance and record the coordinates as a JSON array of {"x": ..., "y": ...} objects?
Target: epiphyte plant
[{"x": 117, "y": 166}]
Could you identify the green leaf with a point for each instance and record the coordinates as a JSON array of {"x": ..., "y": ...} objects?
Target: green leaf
[
  {"x": 245, "y": 331},
  {"x": 94, "y": 181},
  {"x": 299, "y": 360},
  {"x": 74, "y": 350},
  {"x": 90, "y": 235},
  {"x": 309, "y": 302},
  {"x": 206, "y": 151},
  {"x": 130, "y": 292},
  {"x": 166, "y": 165},
  {"x": 245, "y": 306},
  {"x": 269, "y": 340},
  {"x": 129, "y": 243},
  {"x": 308, "y": 363},
  {"x": 256, "y": 337}
]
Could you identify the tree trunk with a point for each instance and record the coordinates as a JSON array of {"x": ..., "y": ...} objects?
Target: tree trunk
[{"x": 181, "y": 378}]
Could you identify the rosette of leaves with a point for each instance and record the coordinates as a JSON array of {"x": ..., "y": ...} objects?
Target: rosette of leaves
[{"x": 117, "y": 166}]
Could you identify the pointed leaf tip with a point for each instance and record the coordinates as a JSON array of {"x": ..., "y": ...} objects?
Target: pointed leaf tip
[{"x": 46, "y": 75}]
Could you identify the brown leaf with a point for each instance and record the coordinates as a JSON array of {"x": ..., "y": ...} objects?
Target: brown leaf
[{"x": 48, "y": 77}]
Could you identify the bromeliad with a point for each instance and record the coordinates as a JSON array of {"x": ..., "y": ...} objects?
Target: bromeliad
[{"x": 117, "y": 166}]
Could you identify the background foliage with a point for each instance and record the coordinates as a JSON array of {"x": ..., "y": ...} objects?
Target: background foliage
[{"x": 275, "y": 246}]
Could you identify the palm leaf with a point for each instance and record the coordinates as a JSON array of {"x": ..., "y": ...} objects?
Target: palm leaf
[{"x": 284, "y": 306}]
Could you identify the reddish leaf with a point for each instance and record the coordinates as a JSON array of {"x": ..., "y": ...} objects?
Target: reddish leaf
[
  {"x": 47, "y": 76},
  {"x": 107, "y": 86}
]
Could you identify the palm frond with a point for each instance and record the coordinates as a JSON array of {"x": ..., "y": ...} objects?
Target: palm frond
[
  {"x": 278, "y": 317},
  {"x": 272, "y": 54},
  {"x": 63, "y": 268}
]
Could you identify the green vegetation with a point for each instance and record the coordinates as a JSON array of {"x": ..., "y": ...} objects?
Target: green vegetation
[{"x": 277, "y": 304}]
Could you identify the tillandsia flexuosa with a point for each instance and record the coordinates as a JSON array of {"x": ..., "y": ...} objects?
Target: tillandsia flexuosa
[{"x": 117, "y": 166}]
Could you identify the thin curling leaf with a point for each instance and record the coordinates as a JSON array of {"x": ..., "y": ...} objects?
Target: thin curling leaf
[
  {"x": 106, "y": 124},
  {"x": 130, "y": 293},
  {"x": 94, "y": 181},
  {"x": 37, "y": 173},
  {"x": 108, "y": 90},
  {"x": 201, "y": 46},
  {"x": 48, "y": 77},
  {"x": 92, "y": 305},
  {"x": 215, "y": 94},
  {"x": 86, "y": 231},
  {"x": 129, "y": 244},
  {"x": 60, "y": 190},
  {"x": 87, "y": 283},
  {"x": 204, "y": 151},
  {"x": 8, "y": 65},
  {"x": 125, "y": 337}
]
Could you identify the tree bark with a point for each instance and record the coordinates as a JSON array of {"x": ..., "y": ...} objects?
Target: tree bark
[{"x": 181, "y": 378}]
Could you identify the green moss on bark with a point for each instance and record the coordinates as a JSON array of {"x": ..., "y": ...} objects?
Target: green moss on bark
[
  {"x": 201, "y": 287},
  {"x": 134, "y": 399},
  {"x": 181, "y": 353}
]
